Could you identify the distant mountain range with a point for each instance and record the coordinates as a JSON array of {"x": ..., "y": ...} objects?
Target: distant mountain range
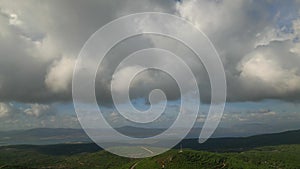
[
  {"x": 213, "y": 145},
  {"x": 44, "y": 136},
  {"x": 77, "y": 141},
  {"x": 243, "y": 143}
]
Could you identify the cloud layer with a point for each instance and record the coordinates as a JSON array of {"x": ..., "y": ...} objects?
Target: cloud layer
[{"x": 258, "y": 42}]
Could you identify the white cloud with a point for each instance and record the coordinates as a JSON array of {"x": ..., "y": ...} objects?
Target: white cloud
[
  {"x": 37, "y": 110},
  {"x": 212, "y": 16},
  {"x": 265, "y": 69},
  {"x": 122, "y": 76},
  {"x": 261, "y": 58},
  {"x": 251, "y": 116},
  {"x": 60, "y": 74},
  {"x": 4, "y": 110},
  {"x": 14, "y": 20},
  {"x": 271, "y": 34}
]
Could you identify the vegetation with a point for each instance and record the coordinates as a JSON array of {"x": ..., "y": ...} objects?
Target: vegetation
[{"x": 29, "y": 157}]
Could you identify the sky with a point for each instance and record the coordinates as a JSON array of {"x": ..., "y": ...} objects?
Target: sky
[{"x": 258, "y": 43}]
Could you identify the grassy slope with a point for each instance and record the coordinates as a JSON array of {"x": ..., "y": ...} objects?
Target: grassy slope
[{"x": 287, "y": 156}]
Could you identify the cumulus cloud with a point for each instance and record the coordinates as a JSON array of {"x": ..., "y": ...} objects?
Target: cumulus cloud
[
  {"x": 60, "y": 74},
  {"x": 5, "y": 110},
  {"x": 37, "y": 37},
  {"x": 38, "y": 110},
  {"x": 263, "y": 68},
  {"x": 258, "y": 43},
  {"x": 255, "y": 52}
]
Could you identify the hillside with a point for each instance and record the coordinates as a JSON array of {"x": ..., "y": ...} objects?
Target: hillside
[
  {"x": 244, "y": 143},
  {"x": 287, "y": 156},
  {"x": 278, "y": 150}
]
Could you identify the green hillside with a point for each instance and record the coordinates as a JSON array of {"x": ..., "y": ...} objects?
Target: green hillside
[{"x": 285, "y": 156}]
